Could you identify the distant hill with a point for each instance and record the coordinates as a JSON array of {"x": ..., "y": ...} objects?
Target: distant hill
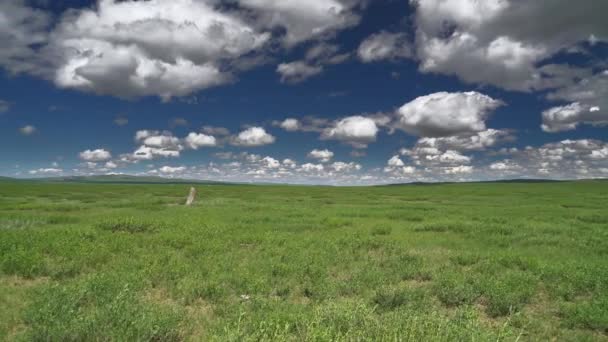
[
  {"x": 522, "y": 180},
  {"x": 124, "y": 179}
]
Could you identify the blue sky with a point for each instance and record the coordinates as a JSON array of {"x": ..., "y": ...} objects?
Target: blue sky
[{"x": 322, "y": 91}]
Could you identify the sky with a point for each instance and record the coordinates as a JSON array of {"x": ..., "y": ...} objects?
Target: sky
[{"x": 338, "y": 92}]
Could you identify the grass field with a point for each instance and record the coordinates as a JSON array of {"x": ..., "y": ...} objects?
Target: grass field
[{"x": 454, "y": 262}]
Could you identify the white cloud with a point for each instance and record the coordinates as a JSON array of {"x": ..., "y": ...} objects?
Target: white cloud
[
  {"x": 395, "y": 161},
  {"x": 271, "y": 163},
  {"x": 289, "y": 163},
  {"x": 97, "y": 155},
  {"x": 446, "y": 114},
  {"x": 345, "y": 167},
  {"x": 197, "y": 140},
  {"x": 565, "y": 118},
  {"x": 304, "y": 20},
  {"x": 110, "y": 165},
  {"x": 397, "y": 169},
  {"x": 309, "y": 167},
  {"x": 22, "y": 29},
  {"x": 357, "y": 131},
  {"x": 254, "y": 136},
  {"x": 154, "y": 144},
  {"x": 298, "y": 71},
  {"x": 322, "y": 155},
  {"x": 149, "y": 153},
  {"x": 505, "y": 166},
  {"x": 589, "y": 105},
  {"x": 384, "y": 46},
  {"x": 449, "y": 157},
  {"x": 469, "y": 141},
  {"x": 139, "y": 48},
  {"x": 502, "y": 42},
  {"x": 324, "y": 53},
  {"x": 46, "y": 171},
  {"x": 172, "y": 170},
  {"x": 313, "y": 64},
  {"x": 290, "y": 124},
  {"x": 458, "y": 169},
  {"x": 162, "y": 141},
  {"x": 565, "y": 159},
  {"x": 27, "y": 130}
]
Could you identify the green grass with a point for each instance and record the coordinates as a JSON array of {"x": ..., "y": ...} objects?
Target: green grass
[{"x": 451, "y": 262}]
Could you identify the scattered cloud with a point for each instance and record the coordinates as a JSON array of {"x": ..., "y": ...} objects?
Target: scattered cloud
[
  {"x": 154, "y": 144},
  {"x": 28, "y": 130},
  {"x": 385, "y": 46},
  {"x": 46, "y": 171},
  {"x": 568, "y": 117},
  {"x": 296, "y": 72},
  {"x": 358, "y": 131},
  {"x": 98, "y": 155},
  {"x": 502, "y": 43},
  {"x": 172, "y": 170},
  {"x": 445, "y": 114},
  {"x": 197, "y": 140},
  {"x": 589, "y": 105},
  {"x": 290, "y": 124},
  {"x": 254, "y": 136},
  {"x": 323, "y": 156}
]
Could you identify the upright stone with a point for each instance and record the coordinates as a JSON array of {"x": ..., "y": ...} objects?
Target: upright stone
[{"x": 191, "y": 196}]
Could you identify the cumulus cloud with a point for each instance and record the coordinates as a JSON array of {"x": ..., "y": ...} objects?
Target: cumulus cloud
[
  {"x": 27, "y": 130},
  {"x": 589, "y": 105},
  {"x": 172, "y": 170},
  {"x": 505, "y": 166},
  {"x": 357, "y": 131},
  {"x": 461, "y": 169},
  {"x": 502, "y": 42},
  {"x": 110, "y": 165},
  {"x": 271, "y": 163},
  {"x": 446, "y": 114},
  {"x": 254, "y": 136},
  {"x": 295, "y": 72},
  {"x": 568, "y": 117},
  {"x": 290, "y": 124},
  {"x": 139, "y": 48},
  {"x": 477, "y": 141},
  {"x": 322, "y": 155},
  {"x": 305, "y": 124},
  {"x": 304, "y": 20},
  {"x": 566, "y": 159},
  {"x": 22, "y": 30},
  {"x": 98, "y": 155},
  {"x": 197, "y": 140},
  {"x": 395, "y": 161},
  {"x": 309, "y": 167},
  {"x": 384, "y": 46},
  {"x": 344, "y": 167},
  {"x": 154, "y": 144}
]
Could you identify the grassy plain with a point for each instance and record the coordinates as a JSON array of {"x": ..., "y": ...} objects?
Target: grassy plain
[{"x": 453, "y": 262}]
